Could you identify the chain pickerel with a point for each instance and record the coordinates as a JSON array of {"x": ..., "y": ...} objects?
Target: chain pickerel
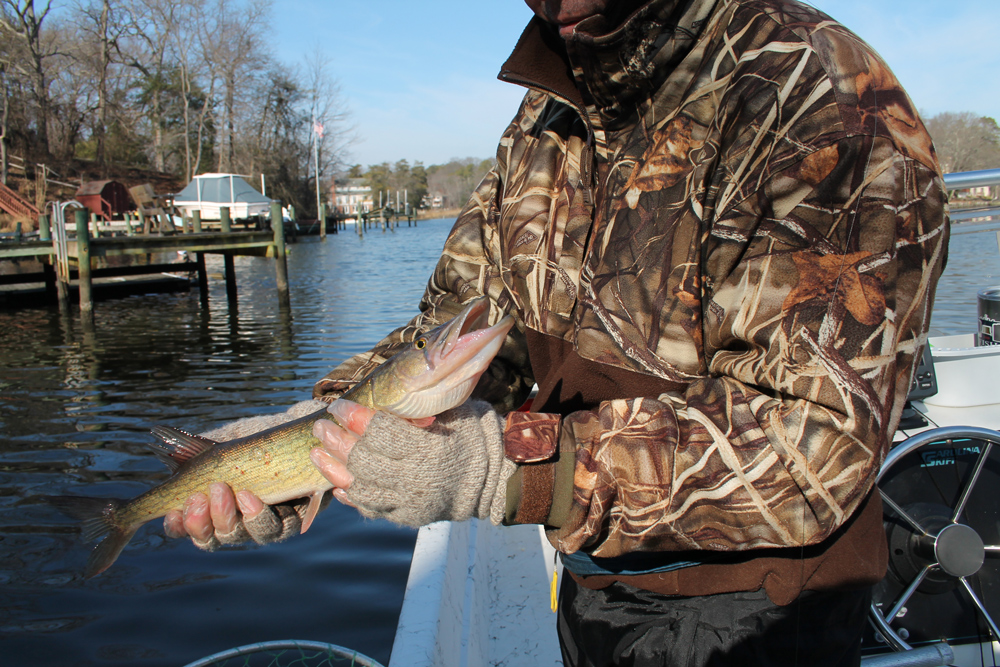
[{"x": 436, "y": 373}]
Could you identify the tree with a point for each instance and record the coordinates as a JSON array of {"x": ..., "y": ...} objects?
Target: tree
[
  {"x": 233, "y": 46},
  {"x": 179, "y": 85},
  {"x": 377, "y": 178},
  {"x": 100, "y": 27},
  {"x": 965, "y": 141},
  {"x": 197, "y": 87},
  {"x": 156, "y": 28},
  {"x": 22, "y": 25},
  {"x": 418, "y": 184},
  {"x": 330, "y": 130},
  {"x": 456, "y": 180}
]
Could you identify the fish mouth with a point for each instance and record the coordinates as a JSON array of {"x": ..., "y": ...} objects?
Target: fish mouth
[
  {"x": 473, "y": 317},
  {"x": 469, "y": 339},
  {"x": 455, "y": 357}
]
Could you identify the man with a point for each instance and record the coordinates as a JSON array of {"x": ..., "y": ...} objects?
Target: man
[{"x": 719, "y": 225}]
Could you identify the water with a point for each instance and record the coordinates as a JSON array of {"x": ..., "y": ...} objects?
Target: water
[
  {"x": 74, "y": 419},
  {"x": 973, "y": 263},
  {"x": 75, "y": 412}
]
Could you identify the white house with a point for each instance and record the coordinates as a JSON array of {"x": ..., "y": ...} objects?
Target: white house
[{"x": 353, "y": 197}]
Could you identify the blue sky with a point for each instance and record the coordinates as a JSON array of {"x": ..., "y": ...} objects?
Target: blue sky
[{"x": 419, "y": 77}]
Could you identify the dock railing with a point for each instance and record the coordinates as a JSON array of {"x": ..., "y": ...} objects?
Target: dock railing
[{"x": 965, "y": 180}]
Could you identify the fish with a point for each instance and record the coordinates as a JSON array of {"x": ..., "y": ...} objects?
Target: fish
[{"x": 437, "y": 372}]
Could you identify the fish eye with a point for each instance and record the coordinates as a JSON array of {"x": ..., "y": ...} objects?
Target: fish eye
[{"x": 420, "y": 343}]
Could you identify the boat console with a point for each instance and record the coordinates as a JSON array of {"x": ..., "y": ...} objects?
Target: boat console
[{"x": 939, "y": 487}]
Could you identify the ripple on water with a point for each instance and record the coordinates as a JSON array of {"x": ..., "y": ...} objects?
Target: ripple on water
[{"x": 75, "y": 412}]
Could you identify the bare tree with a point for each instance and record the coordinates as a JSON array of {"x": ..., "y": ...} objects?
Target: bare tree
[
  {"x": 155, "y": 27},
  {"x": 20, "y": 23},
  {"x": 456, "y": 180},
  {"x": 233, "y": 46},
  {"x": 173, "y": 84},
  {"x": 101, "y": 27},
  {"x": 331, "y": 129},
  {"x": 197, "y": 85},
  {"x": 965, "y": 141}
]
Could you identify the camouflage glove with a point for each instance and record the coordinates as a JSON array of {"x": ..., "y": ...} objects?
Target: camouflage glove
[
  {"x": 453, "y": 470},
  {"x": 276, "y": 522}
]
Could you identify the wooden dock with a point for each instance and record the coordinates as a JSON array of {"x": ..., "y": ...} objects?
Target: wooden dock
[
  {"x": 386, "y": 217},
  {"x": 60, "y": 254}
]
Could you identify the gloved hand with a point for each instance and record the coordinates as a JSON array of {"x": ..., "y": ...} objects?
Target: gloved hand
[
  {"x": 213, "y": 520},
  {"x": 454, "y": 469}
]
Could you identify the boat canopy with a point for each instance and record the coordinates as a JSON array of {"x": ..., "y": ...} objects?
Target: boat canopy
[{"x": 208, "y": 193}]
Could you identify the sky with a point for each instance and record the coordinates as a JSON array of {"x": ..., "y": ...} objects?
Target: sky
[{"x": 418, "y": 77}]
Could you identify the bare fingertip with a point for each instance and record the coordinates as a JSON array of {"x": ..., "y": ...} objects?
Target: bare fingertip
[
  {"x": 173, "y": 525},
  {"x": 341, "y": 497},
  {"x": 197, "y": 504},
  {"x": 250, "y": 505}
]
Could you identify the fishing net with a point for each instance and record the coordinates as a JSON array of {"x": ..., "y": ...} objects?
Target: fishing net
[{"x": 287, "y": 653}]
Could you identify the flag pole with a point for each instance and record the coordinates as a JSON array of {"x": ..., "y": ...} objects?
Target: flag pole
[{"x": 318, "y": 132}]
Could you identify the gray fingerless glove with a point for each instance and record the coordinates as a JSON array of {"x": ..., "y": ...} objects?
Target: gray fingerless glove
[
  {"x": 453, "y": 470},
  {"x": 277, "y": 522}
]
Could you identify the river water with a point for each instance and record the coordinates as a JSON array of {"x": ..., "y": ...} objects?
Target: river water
[{"x": 75, "y": 412}]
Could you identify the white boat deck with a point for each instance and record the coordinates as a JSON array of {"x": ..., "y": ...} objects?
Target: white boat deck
[{"x": 478, "y": 595}]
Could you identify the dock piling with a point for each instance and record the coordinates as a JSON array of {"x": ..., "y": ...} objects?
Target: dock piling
[
  {"x": 280, "y": 266},
  {"x": 44, "y": 231},
  {"x": 227, "y": 258},
  {"x": 83, "y": 268},
  {"x": 87, "y": 251},
  {"x": 202, "y": 278}
]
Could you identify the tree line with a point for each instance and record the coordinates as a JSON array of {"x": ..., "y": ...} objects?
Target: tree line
[
  {"x": 453, "y": 182},
  {"x": 965, "y": 141},
  {"x": 176, "y": 86}
]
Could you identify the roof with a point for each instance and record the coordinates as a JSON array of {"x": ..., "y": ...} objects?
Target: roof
[{"x": 220, "y": 188}]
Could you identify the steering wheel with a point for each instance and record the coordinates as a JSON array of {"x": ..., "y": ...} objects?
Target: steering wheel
[{"x": 941, "y": 498}]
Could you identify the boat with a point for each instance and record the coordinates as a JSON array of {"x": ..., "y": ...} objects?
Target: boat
[{"x": 210, "y": 193}]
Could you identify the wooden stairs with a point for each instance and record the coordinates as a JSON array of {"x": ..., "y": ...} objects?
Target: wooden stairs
[{"x": 12, "y": 203}]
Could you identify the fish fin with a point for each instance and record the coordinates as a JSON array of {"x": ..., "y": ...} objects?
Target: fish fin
[
  {"x": 107, "y": 551},
  {"x": 98, "y": 521},
  {"x": 315, "y": 500},
  {"x": 177, "y": 446}
]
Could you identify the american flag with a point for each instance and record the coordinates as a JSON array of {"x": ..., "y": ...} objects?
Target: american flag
[{"x": 318, "y": 128}]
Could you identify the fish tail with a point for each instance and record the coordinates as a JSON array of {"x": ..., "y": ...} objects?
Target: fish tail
[{"x": 98, "y": 521}]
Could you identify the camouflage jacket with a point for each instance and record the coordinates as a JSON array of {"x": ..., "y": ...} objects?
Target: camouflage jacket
[{"x": 734, "y": 207}]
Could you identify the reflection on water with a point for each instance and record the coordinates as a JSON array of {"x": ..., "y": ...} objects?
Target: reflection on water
[{"x": 75, "y": 412}]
